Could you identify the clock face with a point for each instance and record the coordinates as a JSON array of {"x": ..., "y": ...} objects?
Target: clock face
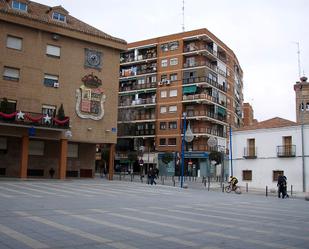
[{"x": 93, "y": 59}]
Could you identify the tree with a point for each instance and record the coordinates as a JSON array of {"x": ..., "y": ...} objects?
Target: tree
[
  {"x": 215, "y": 156},
  {"x": 167, "y": 157},
  {"x": 132, "y": 157},
  {"x": 60, "y": 114}
]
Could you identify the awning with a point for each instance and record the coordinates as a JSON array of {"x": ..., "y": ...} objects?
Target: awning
[
  {"x": 221, "y": 111},
  {"x": 189, "y": 89}
]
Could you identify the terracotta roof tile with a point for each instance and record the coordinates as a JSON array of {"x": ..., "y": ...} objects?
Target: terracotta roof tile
[
  {"x": 269, "y": 123},
  {"x": 40, "y": 12}
]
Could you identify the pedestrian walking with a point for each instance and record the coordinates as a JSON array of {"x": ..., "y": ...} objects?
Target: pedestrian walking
[{"x": 282, "y": 186}]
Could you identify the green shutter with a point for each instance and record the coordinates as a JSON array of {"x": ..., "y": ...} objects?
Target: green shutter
[{"x": 189, "y": 89}]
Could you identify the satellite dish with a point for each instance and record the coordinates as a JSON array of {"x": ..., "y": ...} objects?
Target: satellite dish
[{"x": 189, "y": 135}]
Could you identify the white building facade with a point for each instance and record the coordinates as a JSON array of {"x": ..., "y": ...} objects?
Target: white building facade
[{"x": 260, "y": 154}]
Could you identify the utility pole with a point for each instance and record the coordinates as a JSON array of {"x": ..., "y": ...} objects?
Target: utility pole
[{"x": 183, "y": 15}]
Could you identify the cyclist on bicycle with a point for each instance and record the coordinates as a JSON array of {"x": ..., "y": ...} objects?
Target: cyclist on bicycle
[{"x": 233, "y": 181}]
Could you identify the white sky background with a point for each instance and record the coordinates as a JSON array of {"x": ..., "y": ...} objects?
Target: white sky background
[{"x": 260, "y": 32}]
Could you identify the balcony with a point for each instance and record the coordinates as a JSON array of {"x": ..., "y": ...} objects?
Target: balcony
[
  {"x": 203, "y": 79},
  {"x": 30, "y": 119},
  {"x": 200, "y": 131},
  {"x": 202, "y": 113},
  {"x": 136, "y": 87},
  {"x": 250, "y": 152},
  {"x": 137, "y": 102},
  {"x": 200, "y": 64},
  {"x": 201, "y": 97},
  {"x": 286, "y": 150}
]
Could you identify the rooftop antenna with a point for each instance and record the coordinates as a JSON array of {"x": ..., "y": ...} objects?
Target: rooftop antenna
[
  {"x": 183, "y": 15},
  {"x": 298, "y": 57}
]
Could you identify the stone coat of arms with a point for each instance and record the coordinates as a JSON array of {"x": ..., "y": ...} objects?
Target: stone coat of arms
[{"x": 90, "y": 98}]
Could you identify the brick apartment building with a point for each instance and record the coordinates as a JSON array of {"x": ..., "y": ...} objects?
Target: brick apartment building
[
  {"x": 50, "y": 60},
  {"x": 192, "y": 72}
]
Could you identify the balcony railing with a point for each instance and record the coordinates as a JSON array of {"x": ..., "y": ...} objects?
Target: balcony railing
[
  {"x": 208, "y": 114},
  {"x": 204, "y": 47},
  {"x": 200, "y": 64},
  {"x": 286, "y": 150},
  {"x": 202, "y": 96},
  {"x": 138, "y": 87},
  {"x": 204, "y": 79},
  {"x": 138, "y": 102},
  {"x": 250, "y": 152},
  {"x": 208, "y": 131},
  {"x": 34, "y": 119},
  {"x": 140, "y": 57}
]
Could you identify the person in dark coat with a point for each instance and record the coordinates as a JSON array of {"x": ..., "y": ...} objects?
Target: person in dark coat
[{"x": 282, "y": 188}]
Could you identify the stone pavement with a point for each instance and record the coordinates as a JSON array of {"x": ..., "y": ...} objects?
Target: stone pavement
[{"x": 97, "y": 213}]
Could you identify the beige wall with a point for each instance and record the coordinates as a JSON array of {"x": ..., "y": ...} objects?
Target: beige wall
[{"x": 31, "y": 93}]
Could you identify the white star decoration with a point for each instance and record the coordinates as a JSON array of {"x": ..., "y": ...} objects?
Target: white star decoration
[
  {"x": 47, "y": 119},
  {"x": 20, "y": 115}
]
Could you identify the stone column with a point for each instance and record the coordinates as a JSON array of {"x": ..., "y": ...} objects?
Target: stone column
[
  {"x": 63, "y": 159},
  {"x": 24, "y": 157},
  {"x": 111, "y": 162}
]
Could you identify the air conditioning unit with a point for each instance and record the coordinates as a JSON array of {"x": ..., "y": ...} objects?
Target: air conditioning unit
[
  {"x": 160, "y": 83},
  {"x": 168, "y": 82},
  {"x": 56, "y": 84}
]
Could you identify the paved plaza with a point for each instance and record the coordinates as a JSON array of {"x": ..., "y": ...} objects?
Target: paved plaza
[{"x": 87, "y": 214}]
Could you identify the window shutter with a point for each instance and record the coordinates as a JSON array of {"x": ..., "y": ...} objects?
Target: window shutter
[
  {"x": 14, "y": 42},
  {"x": 53, "y": 50},
  {"x": 11, "y": 72}
]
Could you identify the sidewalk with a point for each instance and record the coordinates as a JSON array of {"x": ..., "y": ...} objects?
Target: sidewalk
[{"x": 198, "y": 183}]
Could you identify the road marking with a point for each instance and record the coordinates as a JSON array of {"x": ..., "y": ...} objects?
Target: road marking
[
  {"x": 75, "y": 231},
  {"x": 35, "y": 244},
  {"x": 155, "y": 222},
  {"x": 224, "y": 218},
  {"x": 34, "y": 189},
  {"x": 19, "y": 192},
  {"x": 252, "y": 241},
  {"x": 6, "y": 196},
  {"x": 130, "y": 229},
  {"x": 181, "y": 218}
]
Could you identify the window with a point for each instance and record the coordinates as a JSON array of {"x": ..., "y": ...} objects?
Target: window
[
  {"x": 14, "y": 42},
  {"x": 72, "y": 150},
  {"x": 276, "y": 173},
  {"x": 163, "y": 94},
  {"x": 11, "y": 74},
  {"x": 307, "y": 106},
  {"x": 172, "y": 108},
  {"x": 19, "y": 5},
  {"x": 173, "y": 93},
  {"x": 50, "y": 110},
  {"x": 172, "y": 125},
  {"x": 59, "y": 17},
  {"x": 247, "y": 175},
  {"x": 141, "y": 81},
  {"x": 172, "y": 141},
  {"x": 164, "y": 63},
  {"x": 10, "y": 106},
  {"x": 53, "y": 50},
  {"x": 163, "y": 78},
  {"x": 174, "y": 45},
  {"x": 153, "y": 79},
  {"x": 162, "y": 125},
  {"x": 162, "y": 141},
  {"x": 36, "y": 148},
  {"x": 173, "y": 77},
  {"x": 50, "y": 80},
  {"x": 164, "y": 47},
  {"x": 173, "y": 61},
  {"x": 3, "y": 143},
  {"x": 163, "y": 109}
]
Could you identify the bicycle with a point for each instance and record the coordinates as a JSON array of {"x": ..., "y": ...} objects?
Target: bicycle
[{"x": 229, "y": 189}]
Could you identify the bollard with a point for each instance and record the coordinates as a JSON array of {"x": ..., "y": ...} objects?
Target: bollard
[
  {"x": 208, "y": 185},
  {"x": 222, "y": 187},
  {"x": 163, "y": 181},
  {"x": 174, "y": 182},
  {"x": 291, "y": 190},
  {"x": 266, "y": 191},
  {"x": 131, "y": 178},
  {"x": 246, "y": 187},
  {"x": 205, "y": 183}
]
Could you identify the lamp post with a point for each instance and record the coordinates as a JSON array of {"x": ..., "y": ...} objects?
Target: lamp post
[
  {"x": 302, "y": 109},
  {"x": 231, "y": 152},
  {"x": 183, "y": 149}
]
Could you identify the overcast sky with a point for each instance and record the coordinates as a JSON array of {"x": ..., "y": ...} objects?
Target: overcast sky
[{"x": 262, "y": 34}]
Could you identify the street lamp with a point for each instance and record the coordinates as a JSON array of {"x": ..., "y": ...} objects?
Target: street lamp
[{"x": 184, "y": 115}]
